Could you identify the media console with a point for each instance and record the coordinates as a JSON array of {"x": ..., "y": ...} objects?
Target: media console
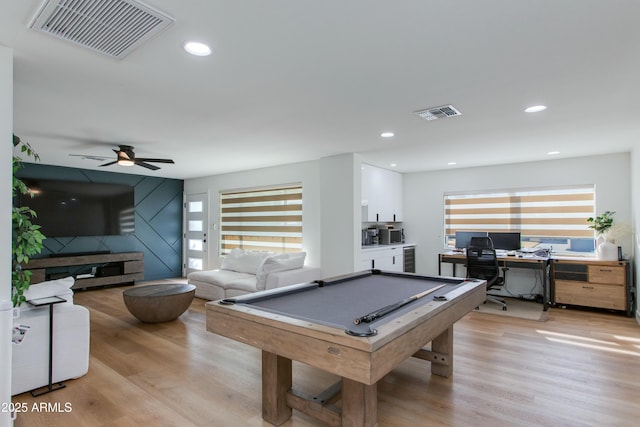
[{"x": 117, "y": 268}]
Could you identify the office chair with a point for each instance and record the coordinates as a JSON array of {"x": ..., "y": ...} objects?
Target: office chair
[{"x": 482, "y": 263}]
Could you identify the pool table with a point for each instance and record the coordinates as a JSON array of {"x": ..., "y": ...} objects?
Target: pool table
[{"x": 315, "y": 323}]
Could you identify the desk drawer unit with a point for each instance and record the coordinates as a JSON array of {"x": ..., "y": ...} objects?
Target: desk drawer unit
[
  {"x": 600, "y": 284},
  {"x": 613, "y": 275}
]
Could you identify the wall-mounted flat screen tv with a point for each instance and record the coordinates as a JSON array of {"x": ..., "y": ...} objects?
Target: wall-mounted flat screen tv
[{"x": 74, "y": 208}]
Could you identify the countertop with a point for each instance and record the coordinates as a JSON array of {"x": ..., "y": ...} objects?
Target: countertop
[{"x": 392, "y": 245}]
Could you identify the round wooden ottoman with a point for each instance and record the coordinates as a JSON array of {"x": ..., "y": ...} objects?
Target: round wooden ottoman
[{"x": 159, "y": 303}]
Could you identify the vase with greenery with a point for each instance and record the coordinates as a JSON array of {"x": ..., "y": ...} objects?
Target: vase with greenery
[
  {"x": 26, "y": 238},
  {"x": 605, "y": 247},
  {"x": 602, "y": 223}
]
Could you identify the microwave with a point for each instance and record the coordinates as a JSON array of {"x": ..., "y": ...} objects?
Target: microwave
[{"x": 389, "y": 236}]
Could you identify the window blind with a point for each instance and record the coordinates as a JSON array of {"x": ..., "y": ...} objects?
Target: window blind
[
  {"x": 261, "y": 220},
  {"x": 535, "y": 213}
]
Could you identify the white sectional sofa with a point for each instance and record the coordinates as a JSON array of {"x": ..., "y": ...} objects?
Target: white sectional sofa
[
  {"x": 30, "y": 358},
  {"x": 243, "y": 272}
]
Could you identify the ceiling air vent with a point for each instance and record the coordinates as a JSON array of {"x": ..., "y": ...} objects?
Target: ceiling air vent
[
  {"x": 111, "y": 27},
  {"x": 438, "y": 112}
]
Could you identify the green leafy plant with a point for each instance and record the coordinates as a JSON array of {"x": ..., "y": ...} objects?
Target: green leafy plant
[
  {"x": 602, "y": 223},
  {"x": 26, "y": 238}
]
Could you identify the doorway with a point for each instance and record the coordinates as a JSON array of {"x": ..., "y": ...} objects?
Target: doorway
[{"x": 195, "y": 235}]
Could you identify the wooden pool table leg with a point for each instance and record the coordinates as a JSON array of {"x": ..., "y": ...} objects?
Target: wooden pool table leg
[
  {"x": 276, "y": 382},
  {"x": 359, "y": 404},
  {"x": 443, "y": 344}
]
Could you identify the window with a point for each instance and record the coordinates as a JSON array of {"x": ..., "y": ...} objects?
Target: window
[
  {"x": 266, "y": 219},
  {"x": 555, "y": 217}
]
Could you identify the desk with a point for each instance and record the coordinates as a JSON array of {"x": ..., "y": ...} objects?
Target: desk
[
  {"x": 527, "y": 262},
  {"x": 308, "y": 323}
]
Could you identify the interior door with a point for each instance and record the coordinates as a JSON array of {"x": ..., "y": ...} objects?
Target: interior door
[{"x": 195, "y": 235}]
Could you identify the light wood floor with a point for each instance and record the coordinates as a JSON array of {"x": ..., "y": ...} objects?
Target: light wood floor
[{"x": 578, "y": 368}]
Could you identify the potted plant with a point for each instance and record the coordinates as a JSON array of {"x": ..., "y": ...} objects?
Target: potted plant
[
  {"x": 602, "y": 223},
  {"x": 605, "y": 247},
  {"x": 26, "y": 238}
]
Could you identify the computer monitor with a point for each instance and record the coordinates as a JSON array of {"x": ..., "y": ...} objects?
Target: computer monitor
[
  {"x": 508, "y": 241},
  {"x": 464, "y": 237}
]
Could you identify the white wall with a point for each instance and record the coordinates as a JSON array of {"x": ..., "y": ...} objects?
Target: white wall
[
  {"x": 330, "y": 207},
  {"x": 306, "y": 173},
  {"x": 341, "y": 214},
  {"x": 6, "y": 130},
  {"x": 635, "y": 200},
  {"x": 423, "y": 200}
]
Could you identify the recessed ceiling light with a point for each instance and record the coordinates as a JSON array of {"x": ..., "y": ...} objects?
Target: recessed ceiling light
[
  {"x": 535, "y": 109},
  {"x": 197, "y": 48},
  {"x": 387, "y": 134},
  {"x": 552, "y": 153},
  {"x": 452, "y": 163}
]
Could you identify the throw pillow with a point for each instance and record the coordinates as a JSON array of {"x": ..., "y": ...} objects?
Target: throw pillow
[
  {"x": 279, "y": 262},
  {"x": 231, "y": 261},
  {"x": 244, "y": 261}
]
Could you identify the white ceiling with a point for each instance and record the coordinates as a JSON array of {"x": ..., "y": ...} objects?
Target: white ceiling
[{"x": 296, "y": 80}]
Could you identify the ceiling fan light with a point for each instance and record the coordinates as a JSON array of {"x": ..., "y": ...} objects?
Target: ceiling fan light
[{"x": 124, "y": 159}]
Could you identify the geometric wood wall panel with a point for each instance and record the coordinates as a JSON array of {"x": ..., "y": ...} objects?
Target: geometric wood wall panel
[{"x": 158, "y": 219}]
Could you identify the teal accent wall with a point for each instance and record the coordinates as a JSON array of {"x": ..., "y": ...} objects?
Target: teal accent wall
[{"x": 158, "y": 219}]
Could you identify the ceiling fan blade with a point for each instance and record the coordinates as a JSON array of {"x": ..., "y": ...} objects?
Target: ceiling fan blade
[
  {"x": 91, "y": 157},
  {"x": 155, "y": 160},
  {"x": 110, "y": 163},
  {"x": 146, "y": 165}
]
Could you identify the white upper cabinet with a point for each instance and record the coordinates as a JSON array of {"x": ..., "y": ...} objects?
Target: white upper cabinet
[
  {"x": 381, "y": 195},
  {"x": 397, "y": 197}
]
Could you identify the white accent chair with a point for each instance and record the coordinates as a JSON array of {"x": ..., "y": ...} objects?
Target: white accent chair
[{"x": 30, "y": 358}]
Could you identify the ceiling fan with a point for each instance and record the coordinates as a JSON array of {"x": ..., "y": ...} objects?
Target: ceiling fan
[{"x": 126, "y": 157}]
